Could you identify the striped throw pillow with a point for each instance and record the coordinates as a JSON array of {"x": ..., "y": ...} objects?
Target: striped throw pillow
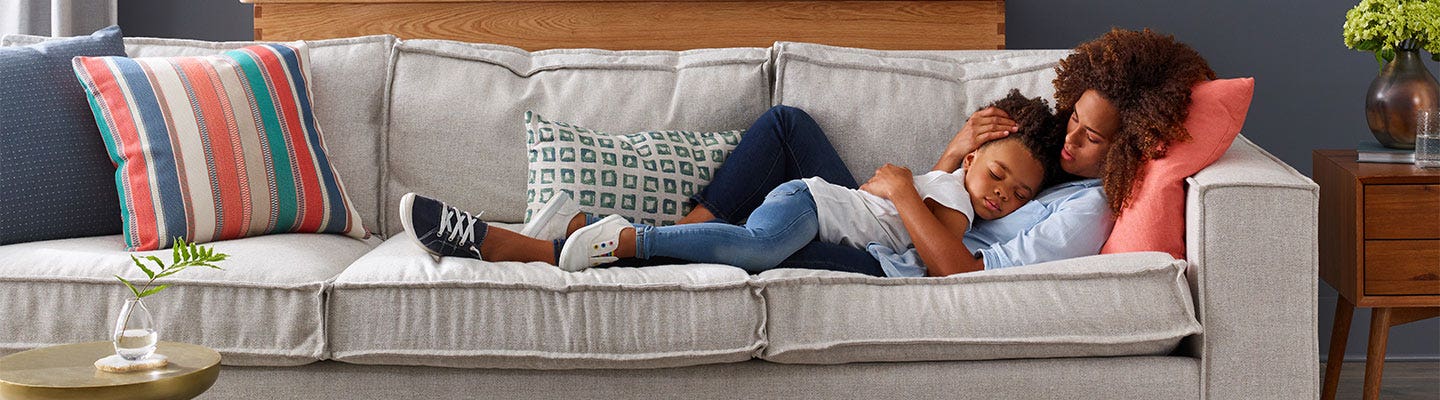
[{"x": 216, "y": 147}]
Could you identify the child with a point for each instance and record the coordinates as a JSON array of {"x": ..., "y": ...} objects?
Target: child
[{"x": 992, "y": 182}]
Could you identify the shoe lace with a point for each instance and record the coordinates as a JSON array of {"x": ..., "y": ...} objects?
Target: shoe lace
[{"x": 459, "y": 224}]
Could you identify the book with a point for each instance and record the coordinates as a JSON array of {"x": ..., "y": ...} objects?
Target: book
[{"x": 1370, "y": 151}]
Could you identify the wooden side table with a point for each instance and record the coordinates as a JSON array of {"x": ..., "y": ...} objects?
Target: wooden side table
[
  {"x": 68, "y": 372},
  {"x": 1380, "y": 248}
]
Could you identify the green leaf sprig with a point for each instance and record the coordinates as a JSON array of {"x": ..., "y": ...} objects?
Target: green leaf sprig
[{"x": 186, "y": 255}]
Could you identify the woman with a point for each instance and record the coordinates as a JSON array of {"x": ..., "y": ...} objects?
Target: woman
[{"x": 1123, "y": 95}]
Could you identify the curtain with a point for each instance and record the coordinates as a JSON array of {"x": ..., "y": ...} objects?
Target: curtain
[{"x": 56, "y": 17}]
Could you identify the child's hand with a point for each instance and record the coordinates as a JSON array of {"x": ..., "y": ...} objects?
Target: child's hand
[
  {"x": 890, "y": 181},
  {"x": 983, "y": 126}
]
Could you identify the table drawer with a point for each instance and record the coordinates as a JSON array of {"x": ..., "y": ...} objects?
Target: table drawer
[
  {"x": 1402, "y": 212},
  {"x": 1402, "y": 267}
]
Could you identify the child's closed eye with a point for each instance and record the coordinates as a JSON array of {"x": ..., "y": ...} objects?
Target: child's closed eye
[{"x": 996, "y": 173}]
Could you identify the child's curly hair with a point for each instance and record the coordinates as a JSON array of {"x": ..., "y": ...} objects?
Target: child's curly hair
[
  {"x": 1040, "y": 131},
  {"x": 1147, "y": 77}
]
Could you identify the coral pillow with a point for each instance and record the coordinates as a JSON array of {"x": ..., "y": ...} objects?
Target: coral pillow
[
  {"x": 216, "y": 147},
  {"x": 1155, "y": 218}
]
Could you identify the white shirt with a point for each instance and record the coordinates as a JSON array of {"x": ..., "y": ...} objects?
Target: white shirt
[{"x": 857, "y": 218}]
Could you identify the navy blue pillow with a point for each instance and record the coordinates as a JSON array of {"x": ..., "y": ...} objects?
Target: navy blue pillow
[{"x": 56, "y": 180}]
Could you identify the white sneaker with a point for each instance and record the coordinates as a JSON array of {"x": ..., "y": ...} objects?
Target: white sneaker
[
  {"x": 552, "y": 220},
  {"x": 593, "y": 245}
]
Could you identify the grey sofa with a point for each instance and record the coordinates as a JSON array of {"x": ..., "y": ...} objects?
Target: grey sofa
[{"x": 324, "y": 316}]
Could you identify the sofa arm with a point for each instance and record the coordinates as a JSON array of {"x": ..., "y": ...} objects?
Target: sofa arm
[{"x": 1250, "y": 237}]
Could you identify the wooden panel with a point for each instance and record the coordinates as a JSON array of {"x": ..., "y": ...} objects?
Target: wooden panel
[
  {"x": 1383, "y": 173},
  {"x": 660, "y": 25},
  {"x": 1339, "y": 228},
  {"x": 1402, "y": 212},
  {"x": 1402, "y": 267},
  {"x": 1424, "y": 300}
]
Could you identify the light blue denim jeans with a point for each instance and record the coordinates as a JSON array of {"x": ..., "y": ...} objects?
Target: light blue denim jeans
[{"x": 783, "y": 224}]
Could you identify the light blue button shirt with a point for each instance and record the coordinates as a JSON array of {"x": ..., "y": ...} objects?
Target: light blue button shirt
[{"x": 1069, "y": 220}]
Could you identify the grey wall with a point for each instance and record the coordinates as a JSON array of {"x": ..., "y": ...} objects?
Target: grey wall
[
  {"x": 1309, "y": 88},
  {"x": 217, "y": 20}
]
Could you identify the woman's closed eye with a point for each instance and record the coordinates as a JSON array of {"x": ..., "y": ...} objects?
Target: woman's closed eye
[{"x": 1090, "y": 135}]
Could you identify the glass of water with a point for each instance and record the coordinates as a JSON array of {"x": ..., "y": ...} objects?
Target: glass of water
[{"x": 1427, "y": 138}]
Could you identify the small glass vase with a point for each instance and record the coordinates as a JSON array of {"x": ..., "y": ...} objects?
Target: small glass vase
[{"x": 135, "y": 336}]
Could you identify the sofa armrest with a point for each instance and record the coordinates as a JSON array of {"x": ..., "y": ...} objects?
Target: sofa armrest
[{"x": 1251, "y": 237}]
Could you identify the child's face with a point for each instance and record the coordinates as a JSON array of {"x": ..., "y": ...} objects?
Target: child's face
[{"x": 1001, "y": 177}]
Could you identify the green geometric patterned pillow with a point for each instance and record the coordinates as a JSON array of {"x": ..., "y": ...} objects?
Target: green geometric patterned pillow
[{"x": 647, "y": 177}]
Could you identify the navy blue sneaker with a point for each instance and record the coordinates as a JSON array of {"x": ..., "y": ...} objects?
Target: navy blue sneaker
[{"x": 440, "y": 229}]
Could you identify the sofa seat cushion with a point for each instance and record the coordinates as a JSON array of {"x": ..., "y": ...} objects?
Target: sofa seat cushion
[
  {"x": 265, "y": 308},
  {"x": 457, "y": 110},
  {"x": 1109, "y": 305},
  {"x": 397, "y": 305}
]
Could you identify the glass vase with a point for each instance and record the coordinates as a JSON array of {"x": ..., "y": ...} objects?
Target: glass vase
[
  {"x": 135, "y": 336},
  {"x": 1403, "y": 87}
]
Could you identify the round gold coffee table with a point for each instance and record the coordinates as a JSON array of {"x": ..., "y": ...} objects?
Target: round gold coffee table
[{"x": 68, "y": 372}]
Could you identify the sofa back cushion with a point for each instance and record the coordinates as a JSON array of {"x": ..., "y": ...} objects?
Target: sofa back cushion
[
  {"x": 349, "y": 97},
  {"x": 457, "y": 110},
  {"x": 216, "y": 147},
  {"x": 56, "y": 180},
  {"x": 901, "y": 107}
]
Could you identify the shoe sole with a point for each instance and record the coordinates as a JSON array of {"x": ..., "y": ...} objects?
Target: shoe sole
[
  {"x": 543, "y": 216},
  {"x": 406, "y": 202}
]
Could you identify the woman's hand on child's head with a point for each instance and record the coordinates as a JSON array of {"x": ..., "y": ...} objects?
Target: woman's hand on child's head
[
  {"x": 889, "y": 181},
  {"x": 983, "y": 126}
]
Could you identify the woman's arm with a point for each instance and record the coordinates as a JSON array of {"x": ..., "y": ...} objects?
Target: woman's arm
[
  {"x": 983, "y": 126},
  {"x": 937, "y": 231}
]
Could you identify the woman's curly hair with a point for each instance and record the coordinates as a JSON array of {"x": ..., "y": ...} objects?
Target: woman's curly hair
[
  {"x": 1040, "y": 132},
  {"x": 1147, "y": 77}
]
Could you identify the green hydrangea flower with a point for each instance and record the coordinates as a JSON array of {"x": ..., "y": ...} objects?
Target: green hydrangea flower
[{"x": 1380, "y": 25}]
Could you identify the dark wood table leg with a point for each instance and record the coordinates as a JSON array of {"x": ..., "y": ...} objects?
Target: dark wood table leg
[
  {"x": 1339, "y": 334},
  {"x": 1375, "y": 356}
]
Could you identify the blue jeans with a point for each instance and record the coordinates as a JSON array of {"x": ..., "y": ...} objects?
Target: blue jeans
[
  {"x": 783, "y": 224},
  {"x": 782, "y": 145}
]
